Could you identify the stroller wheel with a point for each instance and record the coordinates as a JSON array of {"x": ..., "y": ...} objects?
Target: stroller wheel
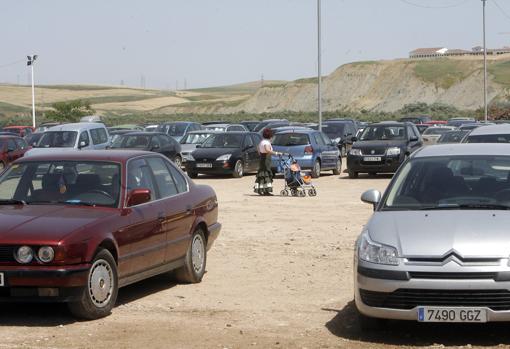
[
  {"x": 284, "y": 192},
  {"x": 293, "y": 192},
  {"x": 302, "y": 193},
  {"x": 312, "y": 192}
]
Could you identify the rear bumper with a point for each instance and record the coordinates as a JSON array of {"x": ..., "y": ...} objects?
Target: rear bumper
[
  {"x": 305, "y": 162},
  {"x": 47, "y": 284},
  {"x": 214, "y": 232}
]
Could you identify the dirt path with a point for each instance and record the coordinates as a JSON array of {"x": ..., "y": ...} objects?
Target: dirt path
[{"x": 279, "y": 276}]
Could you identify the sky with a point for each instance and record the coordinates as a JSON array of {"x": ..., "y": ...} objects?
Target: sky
[{"x": 169, "y": 43}]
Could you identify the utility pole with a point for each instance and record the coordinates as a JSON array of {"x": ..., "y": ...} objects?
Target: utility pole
[
  {"x": 319, "y": 57},
  {"x": 30, "y": 62},
  {"x": 485, "y": 107},
  {"x": 262, "y": 80}
]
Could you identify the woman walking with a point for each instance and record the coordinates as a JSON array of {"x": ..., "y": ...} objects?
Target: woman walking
[{"x": 264, "y": 181}]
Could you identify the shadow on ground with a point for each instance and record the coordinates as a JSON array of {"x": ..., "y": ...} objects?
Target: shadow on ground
[
  {"x": 55, "y": 314},
  {"x": 345, "y": 325}
]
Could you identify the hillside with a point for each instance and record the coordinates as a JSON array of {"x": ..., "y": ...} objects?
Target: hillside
[{"x": 373, "y": 86}]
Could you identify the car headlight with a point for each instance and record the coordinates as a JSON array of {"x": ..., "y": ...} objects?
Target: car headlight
[
  {"x": 393, "y": 151},
  {"x": 224, "y": 157},
  {"x": 46, "y": 254},
  {"x": 356, "y": 152},
  {"x": 370, "y": 251},
  {"x": 24, "y": 255}
]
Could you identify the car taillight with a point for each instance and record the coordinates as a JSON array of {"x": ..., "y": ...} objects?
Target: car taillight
[{"x": 308, "y": 149}]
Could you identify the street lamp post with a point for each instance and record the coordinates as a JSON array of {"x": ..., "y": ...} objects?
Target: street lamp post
[
  {"x": 319, "y": 58},
  {"x": 30, "y": 62},
  {"x": 485, "y": 107}
]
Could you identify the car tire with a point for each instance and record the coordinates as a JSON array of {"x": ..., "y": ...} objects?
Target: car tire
[
  {"x": 238, "y": 169},
  {"x": 2, "y": 166},
  {"x": 316, "y": 170},
  {"x": 372, "y": 174},
  {"x": 98, "y": 297},
  {"x": 338, "y": 169},
  {"x": 352, "y": 174},
  {"x": 192, "y": 174},
  {"x": 195, "y": 261},
  {"x": 343, "y": 152},
  {"x": 177, "y": 161},
  {"x": 367, "y": 323}
]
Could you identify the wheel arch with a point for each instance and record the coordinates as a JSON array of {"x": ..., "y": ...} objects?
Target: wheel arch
[{"x": 109, "y": 245}]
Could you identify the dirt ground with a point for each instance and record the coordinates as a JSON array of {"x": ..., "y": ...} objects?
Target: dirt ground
[{"x": 279, "y": 276}]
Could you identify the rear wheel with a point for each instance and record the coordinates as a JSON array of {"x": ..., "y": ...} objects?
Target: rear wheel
[
  {"x": 99, "y": 295},
  {"x": 316, "y": 170},
  {"x": 238, "y": 169},
  {"x": 192, "y": 174},
  {"x": 338, "y": 169},
  {"x": 196, "y": 257},
  {"x": 353, "y": 174}
]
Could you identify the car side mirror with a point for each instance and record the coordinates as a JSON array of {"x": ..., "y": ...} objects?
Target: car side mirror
[
  {"x": 371, "y": 196},
  {"x": 138, "y": 197},
  {"x": 155, "y": 147},
  {"x": 82, "y": 144}
]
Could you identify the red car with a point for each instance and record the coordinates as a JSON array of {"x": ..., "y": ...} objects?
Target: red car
[
  {"x": 21, "y": 131},
  {"x": 11, "y": 148},
  {"x": 77, "y": 225}
]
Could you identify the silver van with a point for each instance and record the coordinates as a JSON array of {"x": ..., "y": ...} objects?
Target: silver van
[{"x": 76, "y": 136}]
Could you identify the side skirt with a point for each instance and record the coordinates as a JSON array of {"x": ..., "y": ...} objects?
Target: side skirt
[{"x": 131, "y": 279}]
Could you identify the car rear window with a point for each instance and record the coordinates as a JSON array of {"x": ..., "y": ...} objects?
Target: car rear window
[
  {"x": 503, "y": 138},
  {"x": 291, "y": 139}
]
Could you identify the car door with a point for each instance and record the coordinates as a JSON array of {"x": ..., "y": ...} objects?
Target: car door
[
  {"x": 174, "y": 206},
  {"x": 13, "y": 152},
  {"x": 249, "y": 153},
  {"x": 145, "y": 234},
  {"x": 414, "y": 138},
  {"x": 331, "y": 151},
  {"x": 321, "y": 150},
  {"x": 84, "y": 137}
]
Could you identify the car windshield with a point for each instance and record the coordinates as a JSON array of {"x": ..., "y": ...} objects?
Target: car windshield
[
  {"x": 174, "y": 130},
  {"x": 436, "y": 130},
  {"x": 58, "y": 139},
  {"x": 62, "y": 182},
  {"x": 333, "y": 130},
  {"x": 195, "y": 138},
  {"x": 383, "y": 132},
  {"x": 223, "y": 140},
  {"x": 452, "y": 137},
  {"x": 132, "y": 141},
  {"x": 291, "y": 139},
  {"x": 456, "y": 182},
  {"x": 502, "y": 138}
]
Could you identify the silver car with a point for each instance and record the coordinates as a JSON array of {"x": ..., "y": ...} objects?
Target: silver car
[{"x": 437, "y": 247}]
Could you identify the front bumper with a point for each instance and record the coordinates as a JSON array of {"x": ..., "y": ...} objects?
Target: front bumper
[
  {"x": 390, "y": 293},
  {"x": 43, "y": 284},
  {"x": 217, "y": 167},
  {"x": 387, "y": 164}
]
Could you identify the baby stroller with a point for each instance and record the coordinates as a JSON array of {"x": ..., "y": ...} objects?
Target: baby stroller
[{"x": 297, "y": 183}]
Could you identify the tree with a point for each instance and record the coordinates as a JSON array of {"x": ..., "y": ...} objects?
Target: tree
[{"x": 70, "y": 111}]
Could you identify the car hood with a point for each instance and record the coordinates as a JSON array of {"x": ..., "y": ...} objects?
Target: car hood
[
  {"x": 212, "y": 153},
  {"x": 39, "y": 151},
  {"x": 188, "y": 148},
  {"x": 32, "y": 223},
  {"x": 436, "y": 234}
]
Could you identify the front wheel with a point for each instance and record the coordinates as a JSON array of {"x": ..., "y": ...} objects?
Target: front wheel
[
  {"x": 195, "y": 260},
  {"x": 100, "y": 294},
  {"x": 316, "y": 170},
  {"x": 353, "y": 174},
  {"x": 192, "y": 174},
  {"x": 238, "y": 169},
  {"x": 338, "y": 169}
]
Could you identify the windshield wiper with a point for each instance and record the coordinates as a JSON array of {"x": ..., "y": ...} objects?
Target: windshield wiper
[
  {"x": 471, "y": 206},
  {"x": 12, "y": 202},
  {"x": 78, "y": 203}
]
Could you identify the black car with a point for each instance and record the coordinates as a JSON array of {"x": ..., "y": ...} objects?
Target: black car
[
  {"x": 250, "y": 125},
  {"x": 232, "y": 153},
  {"x": 151, "y": 141},
  {"x": 416, "y": 119},
  {"x": 382, "y": 147},
  {"x": 340, "y": 132}
]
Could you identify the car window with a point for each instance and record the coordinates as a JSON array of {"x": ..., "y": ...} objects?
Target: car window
[
  {"x": 11, "y": 145},
  {"x": 248, "y": 142},
  {"x": 98, "y": 135},
  {"x": 164, "y": 180},
  {"x": 326, "y": 139},
  {"x": 318, "y": 139},
  {"x": 140, "y": 177},
  {"x": 164, "y": 140},
  {"x": 180, "y": 181},
  {"x": 236, "y": 128},
  {"x": 155, "y": 143},
  {"x": 291, "y": 139},
  {"x": 84, "y": 137},
  {"x": 21, "y": 144}
]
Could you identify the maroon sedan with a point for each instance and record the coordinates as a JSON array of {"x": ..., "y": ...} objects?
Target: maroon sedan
[
  {"x": 11, "y": 148},
  {"x": 76, "y": 226}
]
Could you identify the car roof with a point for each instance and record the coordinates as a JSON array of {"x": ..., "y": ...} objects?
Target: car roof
[
  {"x": 90, "y": 155},
  {"x": 501, "y": 149},
  {"x": 144, "y": 133},
  {"x": 205, "y": 131},
  {"x": 491, "y": 130},
  {"x": 387, "y": 123},
  {"x": 77, "y": 126},
  {"x": 10, "y": 136},
  {"x": 297, "y": 130}
]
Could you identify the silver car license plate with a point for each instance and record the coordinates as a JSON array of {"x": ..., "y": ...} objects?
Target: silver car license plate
[
  {"x": 372, "y": 158},
  {"x": 204, "y": 165},
  {"x": 451, "y": 314}
]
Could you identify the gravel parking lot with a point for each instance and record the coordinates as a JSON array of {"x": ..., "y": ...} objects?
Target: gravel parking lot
[{"x": 279, "y": 276}]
